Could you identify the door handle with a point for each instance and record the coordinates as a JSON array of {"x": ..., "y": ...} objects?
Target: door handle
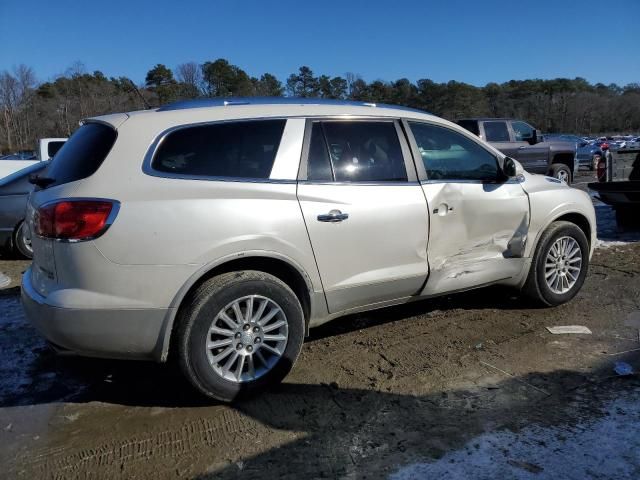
[{"x": 334, "y": 216}]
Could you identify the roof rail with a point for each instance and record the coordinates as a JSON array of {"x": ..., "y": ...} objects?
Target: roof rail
[{"x": 231, "y": 101}]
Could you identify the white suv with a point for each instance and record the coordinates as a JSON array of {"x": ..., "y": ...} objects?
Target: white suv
[{"x": 222, "y": 230}]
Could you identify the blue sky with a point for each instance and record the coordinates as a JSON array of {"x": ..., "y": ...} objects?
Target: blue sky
[{"x": 474, "y": 41}]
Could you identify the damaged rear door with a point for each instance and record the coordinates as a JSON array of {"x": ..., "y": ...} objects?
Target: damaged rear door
[{"x": 478, "y": 223}]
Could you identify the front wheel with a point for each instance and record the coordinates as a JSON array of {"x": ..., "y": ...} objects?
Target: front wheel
[
  {"x": 240, "y": 333},
  {"x": 561, "y": 172},
  {"x": 559, "y": 266}
]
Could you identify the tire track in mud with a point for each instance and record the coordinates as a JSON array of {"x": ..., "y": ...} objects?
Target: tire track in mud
[{"x": 59, "y": 462}]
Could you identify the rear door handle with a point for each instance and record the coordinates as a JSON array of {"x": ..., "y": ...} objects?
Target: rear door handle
[{"x": 334, "y": 216}]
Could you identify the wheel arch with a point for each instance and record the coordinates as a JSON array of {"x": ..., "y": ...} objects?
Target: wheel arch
[
  {"x": 575, "y": 217},
  {"x": 272, "y": 263},
  {"x": 564, "y": 158}
]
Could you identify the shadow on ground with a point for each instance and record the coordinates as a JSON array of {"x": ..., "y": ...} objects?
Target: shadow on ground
[
  {"x": 369, "y": 434},
  {"x": 31, "y": 373}
]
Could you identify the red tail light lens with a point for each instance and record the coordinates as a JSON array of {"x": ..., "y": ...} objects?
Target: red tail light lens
[
  {"x": 601, "y": 170},
  {"x": 74, "y": 220},
  {"x": 604, "y": 146}
]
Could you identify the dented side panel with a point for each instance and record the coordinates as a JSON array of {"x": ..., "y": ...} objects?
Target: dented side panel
[{"x": 478, "y": 234}]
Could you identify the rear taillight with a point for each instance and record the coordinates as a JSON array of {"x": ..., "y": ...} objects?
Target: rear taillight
[
  {"x": 601, "y": 170},
  {"x": 604, "y": 146},
  {"x": 74, "y": 220}
]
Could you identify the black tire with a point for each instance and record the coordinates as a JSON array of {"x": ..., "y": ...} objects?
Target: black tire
[
  {"x": 558, "y": 169},
  {"x": 22, "y": 244},
  {"x": 206, "y": 303},
  {"x": 536, "y": 287}
]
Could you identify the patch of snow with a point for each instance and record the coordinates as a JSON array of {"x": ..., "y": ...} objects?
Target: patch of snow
[
  {"x": 605, "y": 447},
  {"x": 4, "y": 280}
]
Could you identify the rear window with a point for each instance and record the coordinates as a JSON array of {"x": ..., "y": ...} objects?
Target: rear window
[
  {"x": 82, "y": 154},
  {"x": 234, "y": 149},
  {"x": 471, "y": 125}
]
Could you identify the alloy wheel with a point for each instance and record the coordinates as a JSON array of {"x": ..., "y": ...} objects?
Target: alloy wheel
[
  {"x": 563, "y": 265},
  {"x": 247, "y": 338}
]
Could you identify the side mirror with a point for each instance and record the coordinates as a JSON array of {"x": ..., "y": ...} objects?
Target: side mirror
[{"x": 511, "y": 167}]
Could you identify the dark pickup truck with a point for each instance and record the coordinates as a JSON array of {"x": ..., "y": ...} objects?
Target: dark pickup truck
[
  {"x": 521, "y": 141},
  {"x": 618, "y": 182}
]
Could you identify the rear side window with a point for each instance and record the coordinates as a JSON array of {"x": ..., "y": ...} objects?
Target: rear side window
[
  {"x": 82, "y": 154},
  {"x": 356, "y": 152},
  {"x": 233, "y": 149},
  {"x": 496, "y": 132},
  {"x": 52, "y": 149}
]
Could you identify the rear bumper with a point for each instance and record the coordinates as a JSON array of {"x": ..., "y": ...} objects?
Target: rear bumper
[
  {"x": 95, "y": 332},
  {"x": 626, "y": 193}
]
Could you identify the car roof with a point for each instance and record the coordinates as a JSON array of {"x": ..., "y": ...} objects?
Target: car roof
[
  {"x": 482, "y": 119},
  {"x": 264, "y": 107},
  {"x": 264, "y": 101}
]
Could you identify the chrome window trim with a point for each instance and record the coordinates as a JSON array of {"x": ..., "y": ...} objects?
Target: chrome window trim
[
  {"x": 394, "y": 183},
  {"x": 412, "y": 178},
  {"x": 147, "y": 167},
  {"x": 110, "y": 219},
  {"x": 479, "y": 182}
]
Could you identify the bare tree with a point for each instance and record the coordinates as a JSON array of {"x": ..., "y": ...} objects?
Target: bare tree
[{"x": 190, "y": 75}]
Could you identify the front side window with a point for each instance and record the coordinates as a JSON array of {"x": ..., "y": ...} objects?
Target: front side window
[
  {"x": 355, "y": 152},
  {"x": 496, "y": 132},
  {"x": 523, "y": 131},
  {"x": 235, "y": 149},
  {"x": 449, "y": 155}
]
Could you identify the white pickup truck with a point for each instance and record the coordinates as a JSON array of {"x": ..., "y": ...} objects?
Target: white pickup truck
[{"x": 46, "y": 149}]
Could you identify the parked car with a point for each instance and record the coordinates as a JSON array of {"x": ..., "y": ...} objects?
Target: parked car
[
  {"x": 15, "y": 236},
  {"x": 588, "y": 154},
  {"x": 223, "y": 229},
  {"x": 46, "y": 149},
  {"x": 618, "y": 182},
  {"x": 23, "y": 155},
  {"x": 524, "y": 143}
]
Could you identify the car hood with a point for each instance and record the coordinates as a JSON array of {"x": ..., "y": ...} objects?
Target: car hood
[{"x": 538, "y": 183}]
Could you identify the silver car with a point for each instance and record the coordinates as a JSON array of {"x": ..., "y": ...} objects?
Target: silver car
[{"x": 223, "y": 230}]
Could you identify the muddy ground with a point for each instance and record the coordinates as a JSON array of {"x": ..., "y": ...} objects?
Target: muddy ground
[{"x": 466, "y": 386}]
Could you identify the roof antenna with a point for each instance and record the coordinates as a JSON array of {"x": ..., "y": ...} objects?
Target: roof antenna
[{"x": 135, "y": 89}]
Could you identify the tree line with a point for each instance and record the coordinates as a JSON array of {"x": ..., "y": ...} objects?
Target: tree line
[{"x": 32, "y": 109}]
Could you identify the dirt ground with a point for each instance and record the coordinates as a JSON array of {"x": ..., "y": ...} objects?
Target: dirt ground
[{"x": 466, "y": 386}]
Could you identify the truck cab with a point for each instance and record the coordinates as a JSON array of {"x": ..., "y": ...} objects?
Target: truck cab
[{"x": 519, "y": 140}]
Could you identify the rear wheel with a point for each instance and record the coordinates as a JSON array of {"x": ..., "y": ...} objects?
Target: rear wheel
[
  {"x": 22, "y": 241},
  {"x": 559, "y": 266},
  {"x": 561, "y": 172},
  {"x": 241, "y": 333}
]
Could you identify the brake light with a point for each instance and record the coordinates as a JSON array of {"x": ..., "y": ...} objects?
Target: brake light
[
  {"x": 601, "y": 170},
  {"x": 74, "y": 220},
  {"x": 604, "y": 146}
]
